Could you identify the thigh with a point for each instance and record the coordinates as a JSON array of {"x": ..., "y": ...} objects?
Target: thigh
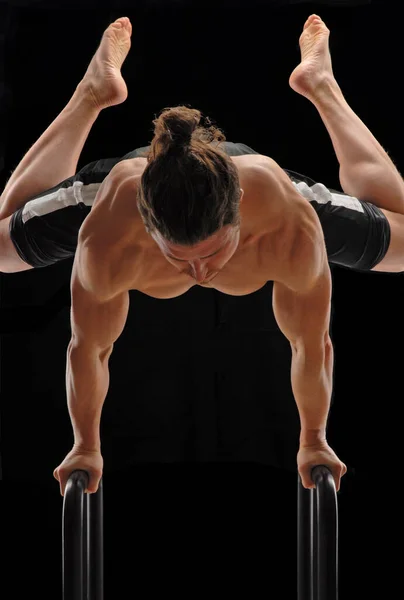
[
  {"x": 11, "y": 260},
  {"x": 393, "y": 261},
  {"x": 45, "y": 230},
  {"x": 356, "y": 233}
]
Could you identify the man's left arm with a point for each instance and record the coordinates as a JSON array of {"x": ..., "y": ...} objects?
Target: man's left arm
[
  {"x": 302, "y": 308},
  {"x": 302, "y": 300}
]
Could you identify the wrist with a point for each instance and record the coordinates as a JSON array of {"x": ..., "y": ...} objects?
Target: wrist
[
  {"x": 312, "y": 437},
  {"x": 87, "y": 446}
]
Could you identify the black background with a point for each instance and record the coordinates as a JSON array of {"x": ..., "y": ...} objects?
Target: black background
[{"x": 215, "y": 513}]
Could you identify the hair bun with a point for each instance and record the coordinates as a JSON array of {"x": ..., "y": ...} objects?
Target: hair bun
[
  {"x": 175, "y": 126},
  {"x": 181, "y": 137}
]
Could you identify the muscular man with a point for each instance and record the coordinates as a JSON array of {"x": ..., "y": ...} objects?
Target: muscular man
[{"x": 192, "y": 209}]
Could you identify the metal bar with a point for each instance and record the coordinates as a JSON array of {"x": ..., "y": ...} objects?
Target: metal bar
[
  {"x": 317, "y": 533},
  {"x": 82, "y": 540},
  {"x": 96, "y": 544},
  {"x": 327, "y": 534},
  {"x": 304, "y": 543}
]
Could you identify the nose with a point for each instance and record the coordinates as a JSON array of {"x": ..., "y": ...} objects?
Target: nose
[{"x": 199, "y": 271}]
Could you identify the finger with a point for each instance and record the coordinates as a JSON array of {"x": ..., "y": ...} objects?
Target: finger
[
  {"x": 95, "y": 479},
  {"x": 308, "y": 482},
  {"x": 89, "y": 489},
  {"x": 93, "y": 486}
]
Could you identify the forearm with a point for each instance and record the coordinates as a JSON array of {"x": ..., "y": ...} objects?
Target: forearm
[
  {"x": 312, "y": 378},
  {"x": 87, "y": 383}
]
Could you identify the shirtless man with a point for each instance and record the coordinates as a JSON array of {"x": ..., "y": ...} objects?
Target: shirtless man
[{"x": 281, "y": 238}]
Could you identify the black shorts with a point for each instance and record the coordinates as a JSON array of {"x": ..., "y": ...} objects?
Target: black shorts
[{"x": 45, "y": 230}]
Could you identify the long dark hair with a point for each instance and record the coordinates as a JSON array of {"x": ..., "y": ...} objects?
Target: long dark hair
[{"x": 190, "y": 188}]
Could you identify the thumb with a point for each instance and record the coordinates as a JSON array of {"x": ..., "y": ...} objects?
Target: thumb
[
  {"x": 307, "y": 481},
  {"x": 58, "y": 476},
  {"x": 62, "y": 481},
  {"x": 62, "y": 476}
]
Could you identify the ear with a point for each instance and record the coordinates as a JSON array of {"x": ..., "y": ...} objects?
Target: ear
[{"x": 242, "y": 195}]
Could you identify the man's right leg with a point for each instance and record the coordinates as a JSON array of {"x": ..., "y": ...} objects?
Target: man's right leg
[
  {"x": 54, "y": 157},
  {"x": 46, "y": 165},
  {"x": 10, "y": 262}
]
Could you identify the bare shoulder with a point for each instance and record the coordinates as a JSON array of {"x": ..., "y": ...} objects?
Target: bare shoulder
[
  {"x": 295, "y": 248},
  {"x": 115, "y": 196},
  {"x": 266, "y": 178},
  {"x": 249, "y": 162},
  {"x": 109, "y": 231},
  {"x": 132, "y": 166}
]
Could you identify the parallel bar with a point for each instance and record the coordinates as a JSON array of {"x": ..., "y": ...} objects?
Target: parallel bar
[
  {"x": 82, "y": 543},
  {"x": 96, "y": 544},
  {"x": 327, "y": 534},
  {"x": 317, "y": 543},
  {"x": 304, "y": 543}
]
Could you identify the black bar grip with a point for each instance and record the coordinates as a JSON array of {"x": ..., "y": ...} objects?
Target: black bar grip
[
  {"x": 82, "y": 540},
  {"x": 317, "y": 538}
]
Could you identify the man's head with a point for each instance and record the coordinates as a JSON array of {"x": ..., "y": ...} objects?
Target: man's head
[
  {"x": 189, "y": 196},
  {"x": 204, "y": 260}
]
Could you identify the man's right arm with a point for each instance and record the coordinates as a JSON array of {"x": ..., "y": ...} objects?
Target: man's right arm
[{"x": 98, "y": 318}]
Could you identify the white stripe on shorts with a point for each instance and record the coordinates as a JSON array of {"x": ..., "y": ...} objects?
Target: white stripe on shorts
[
  {"x": 61, "y": 198},
  {"x": 79, "y": 193},
  {"x": 319, "y": 193}
]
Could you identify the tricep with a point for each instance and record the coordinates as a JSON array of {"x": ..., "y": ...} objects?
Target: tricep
[
  {"x": 302, "y": 305},
  {"x": 97, "y": 320}
]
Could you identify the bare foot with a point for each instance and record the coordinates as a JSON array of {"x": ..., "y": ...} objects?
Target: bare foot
[
  {"x": 316, "y": 66},
  {"x": 103, "y": 80}
]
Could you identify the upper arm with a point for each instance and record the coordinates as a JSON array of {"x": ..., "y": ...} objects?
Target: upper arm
[
  {"x": 98, "y": 315},
  {"x": 302, "y": 283},
  {"x": 303, "y": 315},
  {"x": 99, "y": 289}
]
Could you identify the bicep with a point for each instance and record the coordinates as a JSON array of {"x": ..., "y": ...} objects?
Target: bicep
[
  {"x": 304, "y": 316},
  {"x": 97, "y": 320}
]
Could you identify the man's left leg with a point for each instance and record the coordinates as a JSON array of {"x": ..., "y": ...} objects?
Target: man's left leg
[
  {"x": 366, "y": 170},
  {"x": 54, "y": 157}
]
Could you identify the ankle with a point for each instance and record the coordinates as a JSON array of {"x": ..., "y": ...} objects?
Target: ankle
[
  {"x": 327, "y": 90},
  {"x": 83, "y": 98}
]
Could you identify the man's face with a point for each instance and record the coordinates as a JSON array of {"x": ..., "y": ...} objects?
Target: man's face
[{"x": 202, "y": 261}]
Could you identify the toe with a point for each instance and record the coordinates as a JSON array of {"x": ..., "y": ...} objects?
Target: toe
[
  {"x": 124, "y": 22},
  {"x": 312, "y": 19},
  {"x": 308, "y": 22}
]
